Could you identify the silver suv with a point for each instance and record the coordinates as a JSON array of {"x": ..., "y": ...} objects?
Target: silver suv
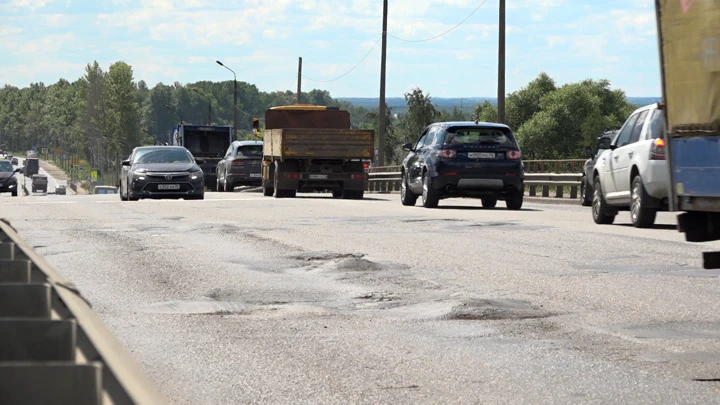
[{"x": 632, "y": 174}]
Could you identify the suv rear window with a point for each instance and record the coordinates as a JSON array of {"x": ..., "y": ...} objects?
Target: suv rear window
[
  {"x": 250, "y": 150},
  {"x": 478, "y": 136}
]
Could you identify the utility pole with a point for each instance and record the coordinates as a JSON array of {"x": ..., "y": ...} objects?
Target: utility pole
[
  {"x": 381, "y": 107},
  {"x": 299, "y": 90},
  {"x": 501, "y": 66}
]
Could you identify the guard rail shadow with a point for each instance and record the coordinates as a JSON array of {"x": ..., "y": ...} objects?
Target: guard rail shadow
[
  {"x": 53, "y": 347},
  {"x": 550, "y": 185}
]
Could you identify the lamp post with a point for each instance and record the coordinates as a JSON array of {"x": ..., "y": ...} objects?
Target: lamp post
[
  {"x": 179, "y": 114},
  {"x": 209, "y": 103},
  {"x": 235, "y": 123}
]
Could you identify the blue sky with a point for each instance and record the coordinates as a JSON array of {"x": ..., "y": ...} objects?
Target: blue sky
[{"x": 261, "y": 40}]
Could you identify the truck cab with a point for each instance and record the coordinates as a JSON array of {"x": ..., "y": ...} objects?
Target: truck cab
[{"x": 208, "y": 142}]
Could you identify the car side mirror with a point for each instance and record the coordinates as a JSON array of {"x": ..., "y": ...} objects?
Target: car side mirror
[
  {"x": 125, "y": 163},
  {"x": 588, "y": 152},
  {"x": 200, "y": 161},
  {"x": 604, "y": 143},
  {"x": 407, "y": 147},
  {"x": 18, "y": 170}
]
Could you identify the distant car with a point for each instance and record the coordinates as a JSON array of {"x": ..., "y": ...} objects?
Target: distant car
[
  {"x": 105, "y": 190},
  {"x": 8, "y": 181},
  {"x": 14, "y": 161},
  {"x": 586, "y": 183},
  {"x": 463, "y": 159},
  {"x": 61, "y": 189},
  {"x": 39, "y": 183},
  {"x": 241, "y": 166},
  {"x": 161, "y": 172}
]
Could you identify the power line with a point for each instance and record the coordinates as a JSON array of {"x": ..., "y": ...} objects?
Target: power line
[
  {"x": 438, "y": 36},
  {"x": 349, "y": 71}
]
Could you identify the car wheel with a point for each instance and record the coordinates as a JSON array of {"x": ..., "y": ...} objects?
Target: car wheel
[
  {"x": 268, "y": 191},
  {"x": 337, "y": 193},
  {"x": 515, "y": 200},
  {"x": 489, "y": 202},
  {"x": 407, "y": 197},
  {"x": 641, "y": 216},
  {"x": 228, "y": 186},
  {"x": 14, "y": 193},
  {"x": 601, "y": 213},
  {"x": 430, "y": 197},
  {"x": 585, "y": 193}
]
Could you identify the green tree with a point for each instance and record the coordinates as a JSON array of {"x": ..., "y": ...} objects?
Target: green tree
[
  {"x": 524, "y": 103},
  {"x": 484, "y": 112},
  {"x": 123, "y": 114},
  {"x": 392, "y": 147},
  {"x": 421, "y": 113}
]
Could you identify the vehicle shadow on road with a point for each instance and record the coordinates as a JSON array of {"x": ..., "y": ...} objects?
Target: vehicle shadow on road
[
  {"x": 480, "y": 208},
  {"x": 665, "y": 227},
  {"x": 322, "y": 197}
]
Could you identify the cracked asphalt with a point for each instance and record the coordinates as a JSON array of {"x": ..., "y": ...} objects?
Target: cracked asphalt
[{"x": 241, "y": 298}]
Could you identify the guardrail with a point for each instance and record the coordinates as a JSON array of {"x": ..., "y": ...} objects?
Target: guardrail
[
  {"x": 53, "y": 347},
  {"x": 386, "y": 179}
]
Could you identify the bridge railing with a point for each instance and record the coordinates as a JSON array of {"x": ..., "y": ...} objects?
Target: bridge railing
[
  {"x": 53, "y": 347},
  {"x": 386, "y": 179}
]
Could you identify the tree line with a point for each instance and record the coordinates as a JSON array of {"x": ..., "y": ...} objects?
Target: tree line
[{"x": 102, "y": 115}]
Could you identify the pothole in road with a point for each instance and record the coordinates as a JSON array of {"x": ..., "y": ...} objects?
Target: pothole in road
[
  {"x": 494, "y": 310},
  {"x": 208, "y": 306},
  {"x": 316, "y": 257}
]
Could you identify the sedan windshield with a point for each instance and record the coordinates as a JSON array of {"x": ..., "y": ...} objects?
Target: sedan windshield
[
  {"x": 5, "y": 166},
  {"x": 164, "y": 156}
]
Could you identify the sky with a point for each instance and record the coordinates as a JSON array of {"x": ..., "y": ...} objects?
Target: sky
[{"x": 447, "y": 48}]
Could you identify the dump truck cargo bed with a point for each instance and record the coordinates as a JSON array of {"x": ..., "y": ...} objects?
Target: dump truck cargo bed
[{"x": 318, "y": 143}]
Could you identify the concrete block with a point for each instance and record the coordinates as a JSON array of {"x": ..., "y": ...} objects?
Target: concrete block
[
  {"x": 15, "y": 271},
  {"x": 63, "y": 383},
  {"x": 25, "y": 300},
  {"x": 37, "y": 339}
]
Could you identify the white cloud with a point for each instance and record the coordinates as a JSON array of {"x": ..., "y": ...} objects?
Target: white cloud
[{"x": 31, "y": 4}]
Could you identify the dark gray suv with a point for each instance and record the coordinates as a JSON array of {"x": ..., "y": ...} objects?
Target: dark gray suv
[{"x": 241, "y": 166}]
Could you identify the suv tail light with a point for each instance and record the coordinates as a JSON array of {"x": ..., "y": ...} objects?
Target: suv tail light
[
  {"x": 237, "y": 163},
  {"x": 657, "y": 151},
  {"x": 366, "y": 165},
  {"x": 447, "y": 153},
  {"x": 513, "y": 154}
]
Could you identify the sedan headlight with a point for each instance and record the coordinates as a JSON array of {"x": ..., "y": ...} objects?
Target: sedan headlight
[
  {"x": 139, "y": 174},
  {"x": 195, "y": 175}
]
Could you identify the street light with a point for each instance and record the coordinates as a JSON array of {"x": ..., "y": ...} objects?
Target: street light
[
  {"x": 179, "y": 114},
  {"x": 209, "y": 103},
  {"x": 235, "y": 123}
]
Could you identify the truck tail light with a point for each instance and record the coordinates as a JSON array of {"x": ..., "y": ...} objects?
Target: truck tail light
[
  {"x": 292, "y": 176},
  {"x": 366, "y": 165},
  {"x": 657, "y": 151},
  {"x": 359, "y": 176},
  {"x": 513, "y": 154},
  {"x": 447, "y": 153}
]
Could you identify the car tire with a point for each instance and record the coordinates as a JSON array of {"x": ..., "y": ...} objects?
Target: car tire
[
  {"x": 359, "y": 194},
  {"x": 337, "y": 193},
  {"x": 430, "y": 196},
  {"x": 514, "y": 201},
  {"x": 14, "y": 193},
  {"x": 268, "y": 191},
  {"x": 228, "y": 188},
  {"x": 489, "y": 202},
  {"x": 585, "y": 193},
  {"x": 602, "y": 214},
  {"x": 640, "y": 215},
  {"x": 407, "y": 197}
]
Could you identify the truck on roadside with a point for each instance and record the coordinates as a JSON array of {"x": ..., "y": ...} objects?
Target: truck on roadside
[
  {"x": 689, "y": 45},
  {"x": 208, "y": 142},
  {"x": 311, "y": 148}
]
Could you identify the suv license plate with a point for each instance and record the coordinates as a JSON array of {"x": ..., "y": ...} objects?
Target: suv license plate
[
  {"x": 168, "y": 187},
  {"x": 255, "y": 174},
  {"x": 318, "y": 176},
  {"x": 481, "y": 155}
]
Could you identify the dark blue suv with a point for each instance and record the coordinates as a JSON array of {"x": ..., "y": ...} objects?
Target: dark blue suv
[{"x": 463, "y": 159}]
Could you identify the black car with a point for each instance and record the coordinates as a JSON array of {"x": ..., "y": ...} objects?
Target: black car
[
  {"x": 161, "y": 172},
  {"x": 241, "y": 166},
  {"x": 8, "y": 181},
  {"x": 586, "y": 183},
  {"x": 463, "y": 159}
]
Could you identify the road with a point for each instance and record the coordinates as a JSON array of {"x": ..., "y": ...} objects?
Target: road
[{"x": 241, "y": 298}]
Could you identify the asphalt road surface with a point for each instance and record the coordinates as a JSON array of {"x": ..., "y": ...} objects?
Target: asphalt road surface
[{"x": 241, "y": 298}]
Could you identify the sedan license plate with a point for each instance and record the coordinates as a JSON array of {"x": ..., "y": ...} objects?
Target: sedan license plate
[
  {"x": 318, "y": 176},
  {"x": 168, "y": 187},
  {"x": 481, "y": 155}
]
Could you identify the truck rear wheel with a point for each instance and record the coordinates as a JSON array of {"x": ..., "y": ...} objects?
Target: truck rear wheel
[{"x": 281, "y": 193}]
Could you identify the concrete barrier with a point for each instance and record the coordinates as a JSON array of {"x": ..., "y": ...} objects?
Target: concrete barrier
[{"x": 53, "y": 347}]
